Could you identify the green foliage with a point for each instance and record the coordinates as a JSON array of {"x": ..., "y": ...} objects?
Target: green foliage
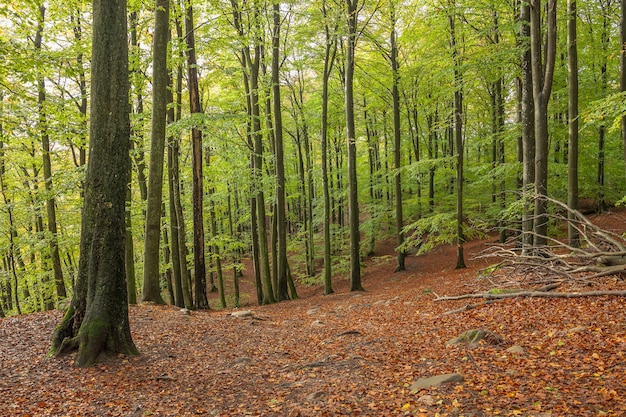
[
  {"x": 428, "y": 232},
  {"x": 426, "y": 87}
]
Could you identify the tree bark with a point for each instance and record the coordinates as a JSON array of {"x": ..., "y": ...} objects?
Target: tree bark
[
  {"x": 528, "y": 123},
  {"x": 330, "y": 51},
  {"x": 47, "y": 166},
  {"x": 622, "y": 75},
  {"x": 353, "y": 196},
  {"x": 97, "y": 319},
  {"x": 572, "y": 126},
  {"x": 201, "y": 300},
  {"x": 281, "y": 218},
  {"x": 395, "y": 94},
  {"x": 129, "y": 256},
  {"x": 542, "y": 87},
  {"x": 138, "y": 78},
  {"x": 160, "y": 81},
  {"x": 458, "y": 141}
]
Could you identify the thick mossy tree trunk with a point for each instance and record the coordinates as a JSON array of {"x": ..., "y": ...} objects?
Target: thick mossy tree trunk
[{"x": 97, "y": 319}]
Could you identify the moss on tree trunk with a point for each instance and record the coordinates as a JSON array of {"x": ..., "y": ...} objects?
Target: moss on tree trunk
[{"x": 97, "y": 320}]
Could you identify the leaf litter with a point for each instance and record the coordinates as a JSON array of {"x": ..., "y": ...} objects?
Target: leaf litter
[{"x": 343, "y": 354}]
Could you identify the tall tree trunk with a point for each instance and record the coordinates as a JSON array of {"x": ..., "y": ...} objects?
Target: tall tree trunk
[
  {"x": 528, "y": 124},
  {"x": 129, "y": 254},
  {"x": 9, "y": 259},
  {"x": 572, "y": 126},
  {"x": 353, "y": 196},
  {"x": 306, "y": 165},
  {"x": 395, "y": 94},
  {"x": 372, "y": 146},
  {"x": 251, "y": 66},
  {"x": 2, "y": 170},
  {"x": 167, "y": 275},
  {"x": 217, "y": 253},
  {"x": 542, "y": 73},
  {"x": 330, "y": 52},
  {"x": 236, "y": 259},
  {"x": 622, "y": 75},
  {"x": 458, "y": 141},
  {"x": 138, "y": 77},
  {"x": 604, "y": 38},
  {"x": 185, "y": 277},
  {"x": 201, "y": 300},
  {"x": 433, "y": 139},
  {"x": 160, "y": 81},
  {"x": 97, "y": 319},
  {"x": 173, "y": 183},
  {"x": 281, "y": 279},
  {"x": 47, "y": 165}
]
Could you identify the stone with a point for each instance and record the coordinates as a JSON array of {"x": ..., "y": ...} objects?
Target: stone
[
  {"x": 426, "y": 400},
  {"x": 516, "y": 349},
  {"x": 242, "y": 313},
  {"x": 576, "y": 329},
  {"x": 316, "y": 396},
  {"x": 435, "y": 381},
  {"x": 313, "y": 310},
  {"x": 472, "y": 337}
]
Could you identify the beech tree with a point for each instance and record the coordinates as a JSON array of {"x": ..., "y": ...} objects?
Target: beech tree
[
  {"x": 160, "y": 81},
  {"x": 397, "y": 134},
  {"x": 352, "y": 9},
  {"x": 47, "y": 162},
  {"x": 380, "y": 123},
  {"x": 330, "y": 53},
  {"x": 97, "y": 320},
  {"x": 572, "y": 115},
  {"x": 281, "y": 258},
  {"x": 196, "y": 146},
  {"x": 542, "y": 65}
]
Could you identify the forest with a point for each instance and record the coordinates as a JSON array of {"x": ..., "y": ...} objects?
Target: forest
[
  {"x": 298, "y": 135},
  {"x": 435, "y": 186}
]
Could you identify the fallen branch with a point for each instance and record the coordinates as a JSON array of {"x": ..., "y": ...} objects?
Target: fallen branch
[
  {"x": 537, "y": 294},
  {"x": 548, "y": 287}
]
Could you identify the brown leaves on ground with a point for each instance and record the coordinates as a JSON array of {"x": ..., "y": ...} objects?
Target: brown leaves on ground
[{"x": 342, "y": 354}]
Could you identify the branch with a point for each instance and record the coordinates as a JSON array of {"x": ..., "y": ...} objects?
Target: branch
[{"x": 536, "y": 294}]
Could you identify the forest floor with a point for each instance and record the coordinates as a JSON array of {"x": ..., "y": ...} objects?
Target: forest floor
[{"x": 345, "y": 353}]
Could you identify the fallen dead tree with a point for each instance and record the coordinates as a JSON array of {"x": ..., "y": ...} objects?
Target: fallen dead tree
[{"x": 598, "y": 252}]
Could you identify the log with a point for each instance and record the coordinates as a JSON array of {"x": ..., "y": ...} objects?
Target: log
[{"x": 537, "y": 294}]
